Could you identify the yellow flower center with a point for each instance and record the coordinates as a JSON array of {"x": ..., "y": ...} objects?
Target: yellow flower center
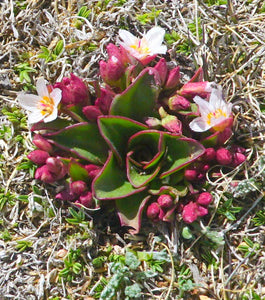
[
  {"x": 218, "y": 113},
  {"x": 46, "y": 105},
  {"x": 141, "y": 47}
]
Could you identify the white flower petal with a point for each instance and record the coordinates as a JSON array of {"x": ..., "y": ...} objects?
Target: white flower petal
[
  {"x": 52, "y": 116},
  {"x": 204, "y": 107},
  {"x": 155, "y": 36},
  {"x": 35, "y": 117},
  {"x": 41, "y": 87},
  {"x": 199, "y": 125},
  {"x": 28, "y": 101},
  {"x": 56, "y": 95},
  {"x": 128, "y": 38}
]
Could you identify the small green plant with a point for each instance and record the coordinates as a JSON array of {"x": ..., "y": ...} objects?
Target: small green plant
[
  {"x": 23, "y": 245},
  {"x": 15, "y": 116},
  {"x": 185, "y": 282},
  {"x": 228, "y": 210},
  {"x": 6, "y": 198},
  {"x": 5, "y": 235},
  {"x": 248, "y": 247},
  {"x": 27, "y": 165},
  {"x": 215, "y": 2},
  {"x": 252, "y": 295},
  {"x": 148, "y": 17},
  {"x": 51, "y": 55},
  {"x": 259, "y": 219},
  {"x": 73, "y": 265},
  {"x": 23, "y": 70},
  {"x": 78, "y": 218},
  {"x": 83, "y": 12}
]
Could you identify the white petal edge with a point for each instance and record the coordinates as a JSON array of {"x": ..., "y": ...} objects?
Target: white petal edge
[
  {"x": 52, "y": 116},
  {"x": 41, "y": 87},
  {"x": 28, "y": 101},
  {"x": 35, "y": 117},
  {"x": 204, "y": 106},
  {"x": 56, "y": 95},
  {"x": 199, "y": 125},
  {"x": 127, "y": 37}
]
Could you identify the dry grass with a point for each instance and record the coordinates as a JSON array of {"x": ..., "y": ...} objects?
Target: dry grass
[{"x": 229, "y": 42}]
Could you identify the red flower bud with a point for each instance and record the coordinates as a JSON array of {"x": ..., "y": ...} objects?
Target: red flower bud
[
  {"x": 38, "y": 156},
  {"x": 165, "y": 201},
  {"x": 74, "y": 91},
  {"x": 204, "y": 199},
  {"x": 190, "y": 212},
  {"x": 86, "y": 199},
  {"x": 44, "y": 174},
  {"x": 66, "y": 195},
  {"x": 173, "y": 78},
  {"x": 104, "y": 101},
  {"x": 55, "y": 165},
  {"x": 190, "y": 174},
  {"x": 172, "y": 124},
  {"x": 201, "y": 211},
  {"x": 112, "y": 70},
  {"x": 92, "y": 170},
  {"x": 192, "y": 89},
  {"x": 223, "y": 156},
  {"x": 153, "y": 211},
  {"x": 91, "y": 112},
  {"x": 178, "y": 103},
  {"x": 238, "y": 159},
  {"x": 162, "y": 70},
  {"x": 42, "y": 143},
  {"x": 78, "y": 187},
  {"x": 209, "y": 154}
]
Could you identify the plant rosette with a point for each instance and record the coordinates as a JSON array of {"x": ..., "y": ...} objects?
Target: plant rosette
[{"x": 144, "y": 140}]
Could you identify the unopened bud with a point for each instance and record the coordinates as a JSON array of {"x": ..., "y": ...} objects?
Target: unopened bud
[
  {"x": 224, "y": 156},
  {"x": 165, "y": 201},
  {"x": 204, "y": 199},
  {"x": 38, "y": 156},
  {"x": 78, "y": 187}
]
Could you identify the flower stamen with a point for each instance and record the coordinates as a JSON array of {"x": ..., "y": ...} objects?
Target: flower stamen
[
  {"x": 46, "y": 105},
  {"x": 218, "y": 113}
]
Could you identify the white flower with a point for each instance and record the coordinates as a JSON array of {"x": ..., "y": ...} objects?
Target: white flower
[
  {"x": 150, "y": 44},
  {"x": 43, "y": 106},
  {"x": 215, "y": 113}
]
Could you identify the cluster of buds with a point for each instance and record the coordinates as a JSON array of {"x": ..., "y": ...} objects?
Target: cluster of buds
[
  {"x": 50, "y": 168},
  {"x": 162, "y": 209},
  {"x": 225, "y": 157},
  {"x": 78, "y": 192},
  {"x": 74, "y": 91},
  {"x": 193, "y": 210}
]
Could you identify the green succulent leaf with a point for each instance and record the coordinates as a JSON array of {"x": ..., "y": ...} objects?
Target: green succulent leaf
[
  {"x": 77, "y": 171},
  {"x": 80, "y": 140},
  {"x": 130, "y": 210},
  {"x": 112, "y": 182},
  {"x": 180, "y": 152},
  {"x": 117, "y": 131},
  {"x": 146, "y": 149},
  {"x": 139, "y": 99}
]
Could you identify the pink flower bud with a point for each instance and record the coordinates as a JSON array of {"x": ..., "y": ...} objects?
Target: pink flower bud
[
  {"x": 204, "y": 199},
  {"x": 66, "y": 195},
  {"x": 178, "y": 103},
  {"x": 42, "y": 143},
  {"x": 192, "y": 89},
  {"x": 112, "y": 70},
  {"x": 238, "y": 159},
  {"x": 74, "y": 91},
  {"x": 209, "y": 155},
  {"x": 78, "y": 187},
  {"x": 190, "y": 212},
  {"x": 172, "y": 124},
  {"x": 165, "y": 201},
  {"x": 92, "y": 170},
  {"x": 153, "y": 211},
  {"x": 201, "y": 211},
  {"x": 152, "y": 122},
  {"x": 190, "y": 174},
  {"x": 121, "y": 53},
  {"x": 86, "y": 199},
  {"x": 104, "y": 101},
  {"x": 223, "y": 156},
  {"x": 91, "y": 112},
  {"x": 56, "y": 166},
  {"x": 173, "y": 79},
  {"x": 38, "y": 156},
  {"x": 44, "y": 174},
  {"x": 162, "y": 70}
]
